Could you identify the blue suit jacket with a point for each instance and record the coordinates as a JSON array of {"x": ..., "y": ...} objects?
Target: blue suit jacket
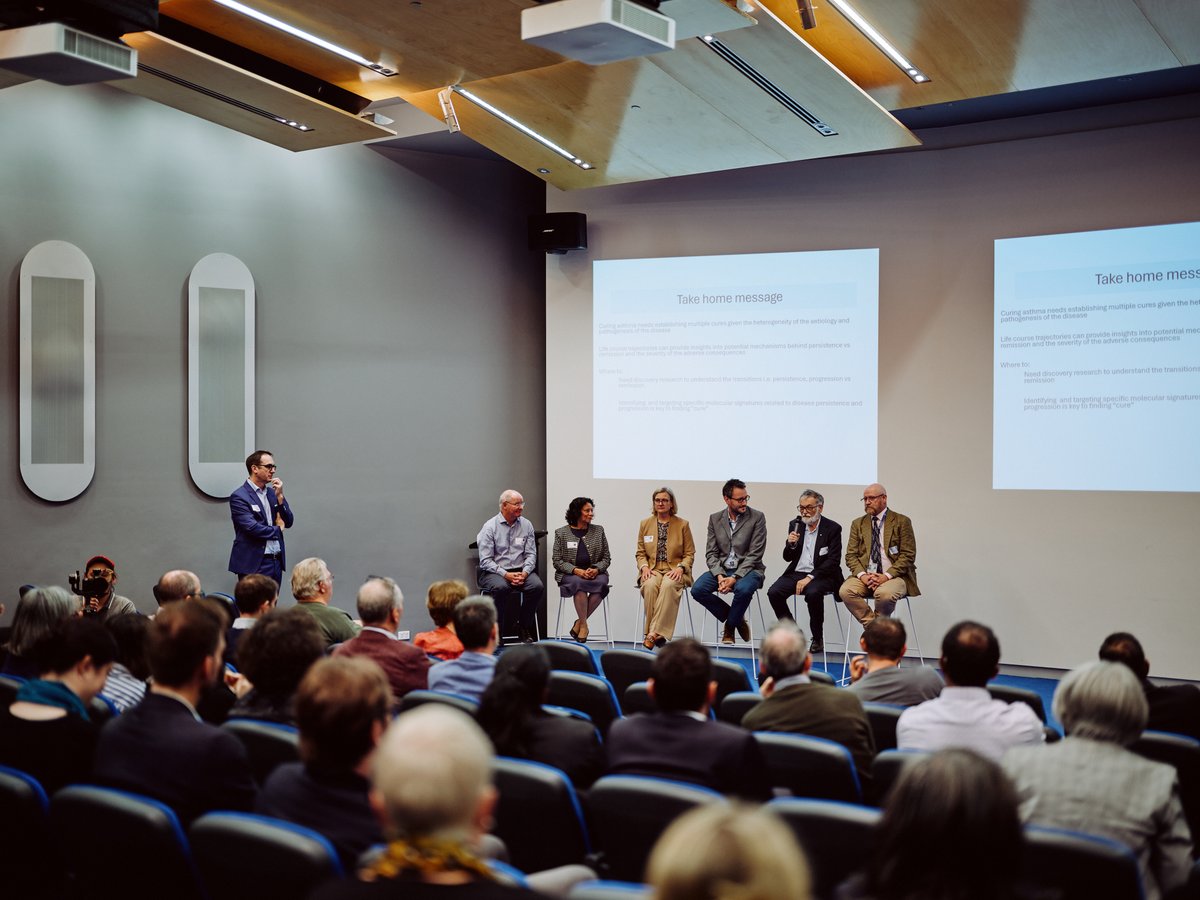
[{"x": 252, "y": 528}]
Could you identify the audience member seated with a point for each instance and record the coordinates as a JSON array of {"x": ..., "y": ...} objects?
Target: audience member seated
[
  {"x": 795, "y": 704},
  {"x": 381, "y": 606},
  {"x": 177, "y": 584},
  {"x": 965, "y": 715},
  {"x": 1174, "y": 708},
  {"x": 511, "y": 714},
  {"x": 160, "y": 747},
  {"x": 878, "y": 678},
  {"x": 275, "y": 654},
  {"x": 39, "y": 612},
  {"x": 442, "y": 597},
  {"x": 950, "y": 832},
  {"x": 432, "y": 789},
  {"x": 312, "y": 586},
  {"x": 680, "y": 741},
  {"x": 726, "y": 851},
  {"x": 342, "y": 707},
  {"x": 469, "y": 674},
  {"x": 255, "y": 596},
  {"x": 1089, "y": 782},
  {"x": 100, "y": 598},
  {"x": 47, "y": 731},
  {"x": 126, "y": 684}
]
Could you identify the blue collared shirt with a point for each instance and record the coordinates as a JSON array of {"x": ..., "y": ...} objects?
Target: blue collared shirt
[{"x": 503, "y": 547}]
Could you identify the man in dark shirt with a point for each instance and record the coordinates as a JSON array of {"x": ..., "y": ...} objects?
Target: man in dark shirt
[
  {"x": 1174, "y": 708},
  {"x": 680, "y": 742},
  {"x": 161, "y": 748}
]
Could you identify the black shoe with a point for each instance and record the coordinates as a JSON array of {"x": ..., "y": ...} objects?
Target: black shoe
[
  {"x": 743, "y": 629},
  {"x": 526, "y": 637},
  {"x": 817, "y": 646}
]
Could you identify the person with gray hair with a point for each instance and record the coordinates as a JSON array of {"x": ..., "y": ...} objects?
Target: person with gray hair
[
  {"x": 312, "y": 586},
  {"x": 470, "y": 673},
  {"x": 792, "y": 702},
  {"x": 507, "y": 560},
  {"x": 380, "y": 606},
  {"x": 1090, "y": 782},
  {"x": 39, "y": 612},
  {"x": 813, "y": 551},
  {"x": 432, "y": 789}
]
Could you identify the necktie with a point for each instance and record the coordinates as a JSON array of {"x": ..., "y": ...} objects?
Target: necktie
[{"x": 876, "y": 560}]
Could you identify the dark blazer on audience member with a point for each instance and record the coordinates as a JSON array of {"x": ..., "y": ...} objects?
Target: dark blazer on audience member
[
  {"x": 1174, "y": 708},
  {"x": 406, "y": 667},
  {"x": 683, "y": 748},
  {"x": 568, "y": 744},
  {"x": 821, "y": 711},
  {"x": 159, "y": 749}
]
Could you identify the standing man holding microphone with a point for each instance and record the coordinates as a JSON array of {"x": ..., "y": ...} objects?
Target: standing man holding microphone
[
  {"x": 813, "y": 551},
  {"x": 260, "y": 513}
]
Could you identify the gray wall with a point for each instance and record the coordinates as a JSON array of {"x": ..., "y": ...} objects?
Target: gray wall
[
  {"x": 1052, "y": 571},
  {"x": 400, "y": 341}
]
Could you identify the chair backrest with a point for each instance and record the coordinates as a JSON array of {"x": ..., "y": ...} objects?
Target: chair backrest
[
  {"x": 807, "y": 766},
  {"x": 625, "y": 667},
  {"x": 24, "y": 830},
  {"x": 627, "y": 813},
  {"x": 883, "y": 718},
  {"x": 733, "y": 706},
  {"x": 838, "y": 838},
  {"x": 591, "y": 694},
  {"x": 416, "y": 698},
  {"x": 821, "y": 677},
  {"x": 118, "y": 844},
  {"x": 1011, "y": 694},
  {"x": 9, "y": 685},
  {"x": 731, "y": 677},
  {"x": 886, "y": 768},
  {"x": 538, "y": 815},
  {"x": 242, "y": 856},
  {"x": 569, "y": 656},
  {"x": 1183, "y": 753},
  {"x": 637, "y": 699},
  {"x": 1079, "y": 866},
  {"x": 610, "y": 890},
  {"x": 268, "y": 744}
]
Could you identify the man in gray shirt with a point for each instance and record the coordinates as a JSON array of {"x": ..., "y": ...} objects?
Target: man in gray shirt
[
  {"x": 877, "y": 677},
  {"x": 507, "y": 559}
]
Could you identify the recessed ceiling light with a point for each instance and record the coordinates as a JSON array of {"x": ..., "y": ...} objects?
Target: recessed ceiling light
[
  {"x": 872, "y": 34},
  {"x": 520, "y": 126}
]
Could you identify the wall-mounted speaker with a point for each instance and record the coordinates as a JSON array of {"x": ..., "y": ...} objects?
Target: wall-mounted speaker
[{"x": 558, "y": 232}]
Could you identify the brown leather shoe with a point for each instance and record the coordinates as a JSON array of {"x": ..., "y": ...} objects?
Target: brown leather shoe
[
  {"x": 648, "y": 643},
  {"x": 660, "y": 641},
  {"x": 743, "y": 630},
  {"x": 727, "y": 637}
]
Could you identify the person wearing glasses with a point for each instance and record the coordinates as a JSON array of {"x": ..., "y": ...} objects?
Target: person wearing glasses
[
  {"x": 665, "y": 553},
  {"x": 260, "y": 514},
  {"x": 737, "y": 539},
  {"x": 881, "y": 555},
  {"x": 813, "y": 551}
]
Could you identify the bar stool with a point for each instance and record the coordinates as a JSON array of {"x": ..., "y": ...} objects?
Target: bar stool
[
  {"x": 841, "y": 630},
  {"x": 607, "y": 639},
  {"x": 639, "y": 617},
  {"x": 912, "y": 634},
  {"x": 716, "y": 641}
]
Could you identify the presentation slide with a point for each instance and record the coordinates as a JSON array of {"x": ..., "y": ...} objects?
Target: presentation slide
[
  {"x": 758, "y": 366},
  {"x": 1097, "y": 361}
]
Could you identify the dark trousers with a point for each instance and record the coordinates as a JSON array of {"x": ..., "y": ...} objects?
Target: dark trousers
[
  {"x": 525, "y": 600},
  {"x": 784, "y": 588},
  {"x": 271, "y": 566}
]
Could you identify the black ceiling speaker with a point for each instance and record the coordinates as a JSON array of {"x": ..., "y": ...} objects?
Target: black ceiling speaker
[{"x": 558, "y": 232}]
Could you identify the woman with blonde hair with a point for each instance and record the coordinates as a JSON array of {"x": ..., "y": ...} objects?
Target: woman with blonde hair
[
  {"x": 725, "y": 851},
  {"x": 665, "y": 553}
]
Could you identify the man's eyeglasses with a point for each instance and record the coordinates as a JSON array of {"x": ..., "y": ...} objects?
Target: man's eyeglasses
[
  {"x": 270, "y": 468},
  {"x": 867, "y": 498},
  {"x": 807, "y": 510}
]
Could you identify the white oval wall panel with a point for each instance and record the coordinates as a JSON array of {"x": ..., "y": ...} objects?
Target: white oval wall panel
[
  {"x": 58, "y": 371},
  {"x": 220, "y": 373}
]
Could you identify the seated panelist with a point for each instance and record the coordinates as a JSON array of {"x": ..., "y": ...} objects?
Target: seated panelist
[
  {"x": 665, "y": 553},
  {"x": 581, "y": 559}
]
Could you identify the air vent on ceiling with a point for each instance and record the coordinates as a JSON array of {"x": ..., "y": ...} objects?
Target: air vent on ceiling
[{"x": 65, "y": 55}]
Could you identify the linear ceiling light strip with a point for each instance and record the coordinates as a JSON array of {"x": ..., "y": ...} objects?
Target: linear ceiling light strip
[
  {"x": 520, "y": 126},
  {"x": 872, "y": 34},
  {"x": 306, "y": 36},
  {"x": 225, "y": 98},
  {"x": 776, "y": 92}
]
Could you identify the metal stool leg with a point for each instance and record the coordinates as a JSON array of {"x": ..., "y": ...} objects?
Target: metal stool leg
[
  {"x": 558, "y": 617},
  {"x": 913, "y": 628}
]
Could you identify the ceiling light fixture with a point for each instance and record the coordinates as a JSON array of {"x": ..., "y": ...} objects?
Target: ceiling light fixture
[
  {"x": 872, "y": 34},
  {"x": 305, "y": 36},
  {"x": 520, "y": 126},
  {"x": 224, "y": 98}
]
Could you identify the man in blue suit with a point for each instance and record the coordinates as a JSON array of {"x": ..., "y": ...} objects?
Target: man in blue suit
[{"x": 260, "y": 513}]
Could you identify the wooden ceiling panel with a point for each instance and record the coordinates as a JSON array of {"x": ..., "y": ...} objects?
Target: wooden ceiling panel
[
  {"x": 1179, "y": 24},
  {"x": 430, "y": 43},
  {"x": 330, "y": 126}
]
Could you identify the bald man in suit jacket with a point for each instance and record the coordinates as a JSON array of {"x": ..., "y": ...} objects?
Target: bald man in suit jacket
[{"x": 883, "y": 567}]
